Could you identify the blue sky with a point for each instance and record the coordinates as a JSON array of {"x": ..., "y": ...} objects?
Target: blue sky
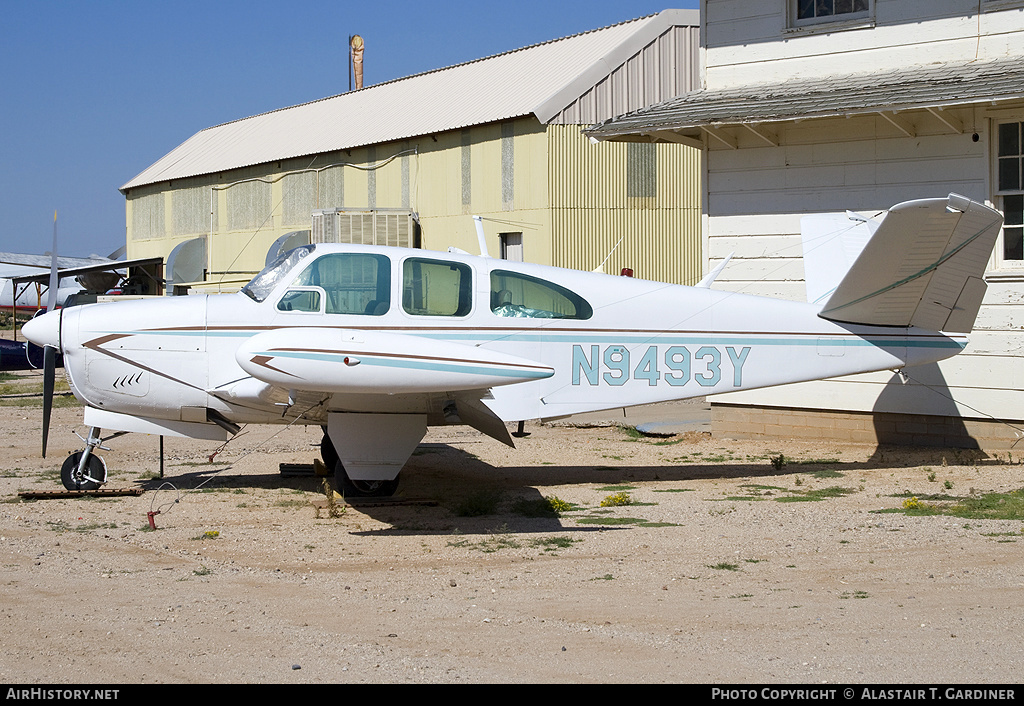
[{"x": 94, "y": 92}]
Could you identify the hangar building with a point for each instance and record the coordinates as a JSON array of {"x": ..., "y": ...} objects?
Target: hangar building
[{"x": 407, "y": 162}]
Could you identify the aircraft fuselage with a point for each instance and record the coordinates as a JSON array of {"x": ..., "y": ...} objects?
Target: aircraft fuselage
[{"x": 530, "y": 341}]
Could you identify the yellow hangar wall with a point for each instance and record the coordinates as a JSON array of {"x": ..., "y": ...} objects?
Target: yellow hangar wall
[
  {"x": 573, "y": 202},
  {"x": 638, "y": 201}
]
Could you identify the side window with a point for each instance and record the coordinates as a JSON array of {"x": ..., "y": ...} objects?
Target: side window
[
  {"x": 436, "y": 288},
  {"x": 353, "y": 283},
  {"x": 518, "y": 295},
  {"x": 307, "y": 300}
]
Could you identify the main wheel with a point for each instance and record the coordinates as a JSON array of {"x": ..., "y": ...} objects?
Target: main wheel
[
  {"x": 362, "y": 488},
  {"x": 327, "y": 452},
  {"x": 95, "y": 469}
]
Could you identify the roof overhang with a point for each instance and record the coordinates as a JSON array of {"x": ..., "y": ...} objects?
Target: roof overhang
[{"x": 707, "y": 115}]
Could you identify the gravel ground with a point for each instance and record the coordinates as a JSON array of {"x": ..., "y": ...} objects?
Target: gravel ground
[{"x": 716, "y": 578}]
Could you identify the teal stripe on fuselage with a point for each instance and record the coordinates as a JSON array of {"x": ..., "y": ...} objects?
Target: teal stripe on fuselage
[
  {"x": 610, "y": 338},
  {"x": 700, "y": 339}
]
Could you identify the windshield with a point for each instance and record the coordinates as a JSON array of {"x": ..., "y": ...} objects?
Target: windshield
[{"x": 264, "y": 283}]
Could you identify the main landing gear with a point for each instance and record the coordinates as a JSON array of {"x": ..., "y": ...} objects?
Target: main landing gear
[{"x": 353, "y": 488}]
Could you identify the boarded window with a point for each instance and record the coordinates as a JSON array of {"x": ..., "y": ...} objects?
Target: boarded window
[
  {"x": 508, "y": 172},
  {"x": 641, "y": 170},
  {"x": 299, "y": 194},
  {"x": 249, "y": 205},
  {"x": 148, "y": 217},
  {"x": 191, "y": 210},
  {"x": 467, "y": 177},
  {"x": 332, "y": 187},
  {"x": 371, "y": 177}
]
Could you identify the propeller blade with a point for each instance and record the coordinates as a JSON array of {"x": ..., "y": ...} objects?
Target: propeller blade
[
  {"x": 49, "y": 371},
  {"x": 49, "y": 353},
  {"x": 51, "y": 298}
]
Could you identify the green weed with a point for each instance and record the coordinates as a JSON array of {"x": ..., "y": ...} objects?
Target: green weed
[
  {"x": 724, "y": 566},
  {"x": 828, "y": 473},
  {"x": 856, "y": 594},
  {"x": 632, "y": 433},
  {"x": 817, "y": 495}
]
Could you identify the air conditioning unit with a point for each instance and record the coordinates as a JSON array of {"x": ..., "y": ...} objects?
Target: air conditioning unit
[{"x": 393, "y": 227}]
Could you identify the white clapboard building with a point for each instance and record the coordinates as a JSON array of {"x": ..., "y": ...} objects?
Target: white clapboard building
[{"x": 816, "y": 106}]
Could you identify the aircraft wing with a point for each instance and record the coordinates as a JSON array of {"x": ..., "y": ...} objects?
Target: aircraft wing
[
  {"x": 922, "y": 267},
  {"x": 101, "y": 266},
  {"x": 44, "y": 261}
]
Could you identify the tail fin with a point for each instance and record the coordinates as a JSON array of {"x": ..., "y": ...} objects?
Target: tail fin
[
  {"x": 831, "y": 244},
  {"x": 923, "y": 267}
]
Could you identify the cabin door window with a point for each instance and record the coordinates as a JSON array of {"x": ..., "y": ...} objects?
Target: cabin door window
[{"x": 436, "y": 287}]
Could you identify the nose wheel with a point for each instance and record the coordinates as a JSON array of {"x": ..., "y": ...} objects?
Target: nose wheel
[
  {"x": 84, "y": 470},
  {"x": 79, "y": 473}
]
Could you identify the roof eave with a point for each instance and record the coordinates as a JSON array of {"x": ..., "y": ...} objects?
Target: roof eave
[
  {"x": 638, "y": 127},
  {"x": 654, "y": 27}
]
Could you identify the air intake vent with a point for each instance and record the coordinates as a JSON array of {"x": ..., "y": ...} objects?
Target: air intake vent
[{"x": 377, "y": 227}]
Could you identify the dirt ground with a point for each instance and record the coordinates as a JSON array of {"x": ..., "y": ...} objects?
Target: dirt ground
[{"x": 710, "y": 576}]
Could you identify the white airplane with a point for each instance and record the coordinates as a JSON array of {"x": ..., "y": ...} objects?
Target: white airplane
[
  {"x": 376, "y": 343},
  {"x": 26, "y": 296},
  {"x": 19, "y": 293}
]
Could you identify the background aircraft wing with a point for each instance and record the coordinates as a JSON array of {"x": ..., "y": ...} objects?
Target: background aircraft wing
[
  {"x": 44, "y": 261},
  {"x": 101, "y": 266}
]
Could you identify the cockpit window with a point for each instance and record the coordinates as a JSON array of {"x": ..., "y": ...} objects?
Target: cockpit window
[
  {"x": 264, "y": 283},
  {"x": 522, "y": 296},
  {"x": 355, "y": 283},
  {"x": 304, "y": 300}
]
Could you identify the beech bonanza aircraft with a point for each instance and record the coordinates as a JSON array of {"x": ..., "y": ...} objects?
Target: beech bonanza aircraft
[{"x": 376, "y": 343}]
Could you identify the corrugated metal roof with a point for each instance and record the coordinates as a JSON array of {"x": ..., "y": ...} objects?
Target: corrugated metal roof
[
  {"x": 928, "y": 86},
  {"x": 508, "y": 85}
]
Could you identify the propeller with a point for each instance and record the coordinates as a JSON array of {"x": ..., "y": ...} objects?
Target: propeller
[{"x": 49, "y": 352}]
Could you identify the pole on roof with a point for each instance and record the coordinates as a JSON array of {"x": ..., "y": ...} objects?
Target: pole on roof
[{"x": 356, "y": 59}]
